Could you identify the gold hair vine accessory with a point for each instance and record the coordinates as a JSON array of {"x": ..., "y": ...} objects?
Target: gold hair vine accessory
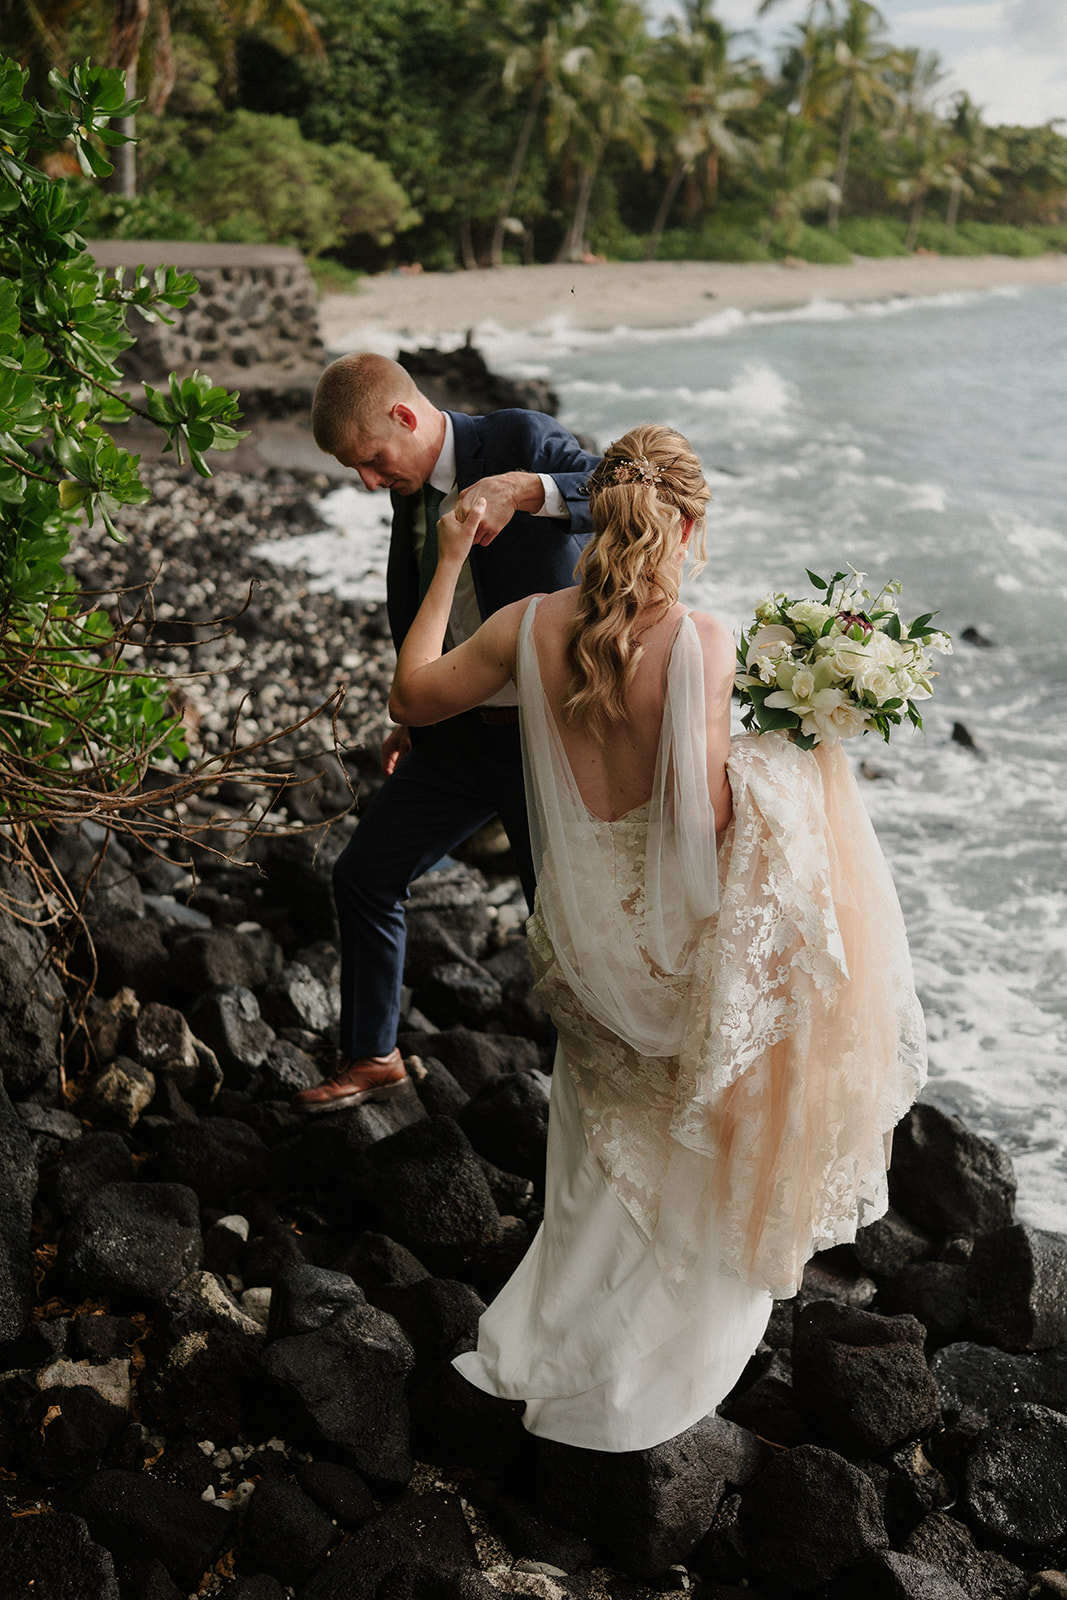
[{"x": 638, "y": 469}]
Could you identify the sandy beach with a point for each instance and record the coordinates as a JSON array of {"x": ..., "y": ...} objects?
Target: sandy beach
[{"x": 395, "y": 307}]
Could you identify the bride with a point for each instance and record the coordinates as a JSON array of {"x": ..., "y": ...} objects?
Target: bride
[{"x": 717, "y": 939}]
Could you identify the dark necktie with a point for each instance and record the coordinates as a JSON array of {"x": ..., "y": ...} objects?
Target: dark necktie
[{"x": 431, "y": 499}]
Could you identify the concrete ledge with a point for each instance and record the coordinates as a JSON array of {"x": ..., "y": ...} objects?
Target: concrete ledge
[{"x": 189, "y": 254}]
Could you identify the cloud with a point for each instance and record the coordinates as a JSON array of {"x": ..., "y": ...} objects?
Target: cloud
[{"x": 978, "y": 18}]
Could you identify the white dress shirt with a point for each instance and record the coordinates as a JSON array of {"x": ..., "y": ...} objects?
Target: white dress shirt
[{"x": 465, "y": 618}]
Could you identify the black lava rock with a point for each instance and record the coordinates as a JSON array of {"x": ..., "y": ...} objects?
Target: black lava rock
[
  {"x": 946, "y": 1179},
  {"x": 133, "y": 1240}
]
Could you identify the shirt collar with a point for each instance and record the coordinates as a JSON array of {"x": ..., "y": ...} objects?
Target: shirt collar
[{"x": 443, "y": 476}]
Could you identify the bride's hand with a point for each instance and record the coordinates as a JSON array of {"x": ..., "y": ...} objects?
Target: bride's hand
[{"x": 458, "y": 531}]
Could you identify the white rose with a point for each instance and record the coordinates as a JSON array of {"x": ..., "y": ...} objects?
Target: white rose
[
  {"x": 809, "y": 613},
  {"x": 833, "y": 716}
]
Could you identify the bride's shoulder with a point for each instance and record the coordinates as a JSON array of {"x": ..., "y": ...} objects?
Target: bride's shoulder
[{"x": 716, "y": 640}]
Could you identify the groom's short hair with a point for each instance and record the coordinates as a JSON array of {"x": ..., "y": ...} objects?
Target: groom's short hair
[{"x": 354, "y": 395}]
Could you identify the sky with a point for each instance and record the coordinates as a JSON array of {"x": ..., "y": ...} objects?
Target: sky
[{"x": 1010, "y": 55}]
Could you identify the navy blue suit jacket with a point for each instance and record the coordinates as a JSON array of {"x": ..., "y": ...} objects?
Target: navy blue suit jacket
[{"x": 532, "y": 555}]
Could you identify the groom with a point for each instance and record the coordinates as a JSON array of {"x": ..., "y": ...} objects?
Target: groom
[{"x": 442, "y": 782}]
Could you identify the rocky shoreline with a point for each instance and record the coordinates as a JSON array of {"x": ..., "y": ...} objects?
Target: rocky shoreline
[{"x": 226, "y": 1327}]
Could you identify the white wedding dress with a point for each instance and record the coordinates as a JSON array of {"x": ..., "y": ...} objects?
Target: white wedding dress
[{"x": 738, "y": 1035}]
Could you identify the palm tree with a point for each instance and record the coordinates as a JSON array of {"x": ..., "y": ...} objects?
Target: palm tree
[
  {"x": 920, "y": 163},
  {"x": 527, "y": 36},
  {"x": 598, "y": 97},
  {"x": 852, "y": 74},
  {"x": 793, "y": 175},
  {"x": 697, "y": 93},
  {"x": 974, "y": 155}
]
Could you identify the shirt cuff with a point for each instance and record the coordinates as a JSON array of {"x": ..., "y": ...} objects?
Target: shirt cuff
[{"x": 555, "y": 505}]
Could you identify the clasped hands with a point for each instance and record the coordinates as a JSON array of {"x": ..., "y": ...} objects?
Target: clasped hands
[{"x": 503, "y": 495}]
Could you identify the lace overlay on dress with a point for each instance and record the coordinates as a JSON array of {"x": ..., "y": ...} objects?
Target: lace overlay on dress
[{"x": 763, "y": 1035}]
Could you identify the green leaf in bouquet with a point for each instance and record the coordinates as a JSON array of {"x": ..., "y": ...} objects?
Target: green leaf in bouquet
[{"x": 820, "y": 583}]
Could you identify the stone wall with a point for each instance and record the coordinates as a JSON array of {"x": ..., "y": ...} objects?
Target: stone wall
[{"x": 253, "y": 326}]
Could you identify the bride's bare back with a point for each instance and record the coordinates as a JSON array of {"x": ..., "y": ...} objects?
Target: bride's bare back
[{"x": 615, "y": 771}]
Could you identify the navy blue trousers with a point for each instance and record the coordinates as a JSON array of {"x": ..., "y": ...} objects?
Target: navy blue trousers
[{"x": 457, "y": 776}]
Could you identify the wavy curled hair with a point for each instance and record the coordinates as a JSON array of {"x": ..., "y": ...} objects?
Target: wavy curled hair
[{"x": 649, "y": 484}]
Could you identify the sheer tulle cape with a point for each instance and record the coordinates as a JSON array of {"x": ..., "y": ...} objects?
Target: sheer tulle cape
[{"x": 742, "y": 1030}]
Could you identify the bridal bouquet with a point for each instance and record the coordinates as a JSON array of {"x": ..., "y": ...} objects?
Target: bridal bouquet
[{"x": 828, "y": 669}]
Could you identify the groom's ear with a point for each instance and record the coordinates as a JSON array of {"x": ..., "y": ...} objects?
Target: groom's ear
[{"x": 404, "y": 415}]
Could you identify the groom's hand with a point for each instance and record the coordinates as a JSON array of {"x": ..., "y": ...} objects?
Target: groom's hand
[{"x": 504, "y": 494}]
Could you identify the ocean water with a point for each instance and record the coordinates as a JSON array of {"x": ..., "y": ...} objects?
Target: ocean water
[{"x": 923, "y": 440}]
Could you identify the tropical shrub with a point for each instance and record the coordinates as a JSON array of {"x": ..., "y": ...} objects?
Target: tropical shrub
[
  {"x": 77, "y": 728},
  {"x": 260, "y": 181}
]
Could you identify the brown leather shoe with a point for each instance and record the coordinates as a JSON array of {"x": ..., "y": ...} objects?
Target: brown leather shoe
[{"x": 369, "y": 1078}]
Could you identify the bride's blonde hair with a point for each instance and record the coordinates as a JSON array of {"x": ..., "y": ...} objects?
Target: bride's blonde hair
[{"x": 649, "y": 484}]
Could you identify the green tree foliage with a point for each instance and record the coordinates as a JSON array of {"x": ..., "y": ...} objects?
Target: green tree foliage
[
  {"x": 259, "y": 179},
  {"x": 74, "y": 723},
  {"x": 560, "y": 123}
]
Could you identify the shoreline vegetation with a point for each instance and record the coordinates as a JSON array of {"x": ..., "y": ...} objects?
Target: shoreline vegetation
[{"x": 399, "y": 306}]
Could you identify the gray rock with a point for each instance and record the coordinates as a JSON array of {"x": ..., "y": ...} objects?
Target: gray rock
[
  {"x": 888, "y": 1575},
  {"x": 425, "y": 1186},
  {"x": 507, "y": 1121},
  {"x": 141, "y": 1517},
  {"x": 297, "y": 999},
  {"x": 113, "y": 894},
  {"x": 299, "y": 870},
  {"x": 120, "y": 1094},
  {"x": 305, "y": 1297},
  {"x": 1017, "y": 1287},
  {"x": 438, "y": 1090},
  {"x": 945, "y": 1542},
  {"x": 649, "y": 1508},
  {"x": 864, "y": 1377},
  {"x": 914, "y": 1487},
  {"x": 110, "y": 1022},
  {"x": 18, "y": 1186},
  {"x": 935, "y": 1292},
  {"x": 78, "y": 1411},
  {"x": 891, "y": 1243},
  {"x": 286, "y": 1069},
  {"x": 459, "y": 992},
  {"x": 96, "y": 1159},
  {"x": 439, "y": 1316},
  {"x": 55, "y": 1558},
  {"x": 133, "y": 1240},
  {"x": 473, "y": 1059},
  {"x": 946, "y": 1179},
  {"x": 375, "y": 1260},
  {"x": 227, "y": 1019},
  {"x": 212, "y": 959},
  {"x": 528, "y": 1535},
  {"x": 808, "y": 1516},
  {"x": 453, "y": 1423},
  {"x": 130, "y": 954},
  {"x": 447, "y": 920},
  {"x": 31, "y": 996},
  {"x": 1015, "y": 1486},
  {"x": 218, "y": 1158},
  {"x": 201, "y": 1301},
  {"x": 163, "y": 1041},
  {"x": 285, "y": 1533},
  {"x": 346, "y": 1383},
  {"x": 410, "y": 1551},
  {"x": 339, "y": 1490},
  {"x": 976, "y": 1383}
]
